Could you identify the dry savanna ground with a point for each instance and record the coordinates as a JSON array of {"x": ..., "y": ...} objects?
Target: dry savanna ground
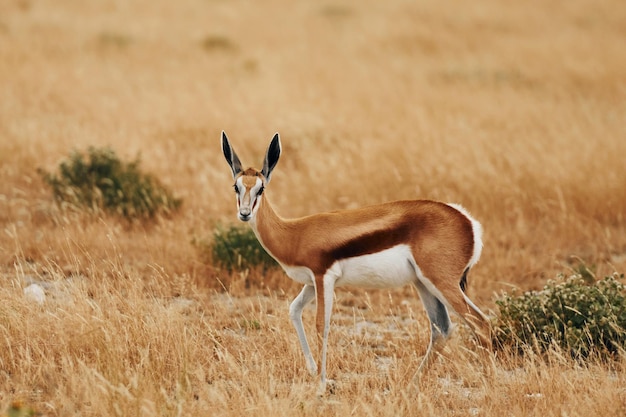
[{"x": 517, "y": 110}]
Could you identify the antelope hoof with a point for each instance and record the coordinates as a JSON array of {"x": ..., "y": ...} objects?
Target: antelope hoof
[{"x": 328, "y": 386}]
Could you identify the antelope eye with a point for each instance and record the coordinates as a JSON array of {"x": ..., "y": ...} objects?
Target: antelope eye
[
  {"x": 260, "y": 191},
  {"x": 236, "y": 188}
]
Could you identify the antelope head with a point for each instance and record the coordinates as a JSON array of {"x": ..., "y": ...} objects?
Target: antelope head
[{"x": 250, "y": 183}]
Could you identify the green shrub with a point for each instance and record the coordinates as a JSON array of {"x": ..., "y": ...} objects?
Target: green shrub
[
  {"x": 581, "y": 317},
  {"x": 100, "y": 181},
  {"x": 17, "y": 409},
  {"x": 237, "y": 248}
]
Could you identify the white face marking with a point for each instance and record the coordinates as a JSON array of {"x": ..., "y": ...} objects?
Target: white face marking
[
  {"x": 256, "y": 187},
  {"x": 240, "y": 190},
  {"x": 248, "y": 200}
]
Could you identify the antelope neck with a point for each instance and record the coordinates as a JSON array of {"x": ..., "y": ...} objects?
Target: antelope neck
[{"x": 272, "y": 231}]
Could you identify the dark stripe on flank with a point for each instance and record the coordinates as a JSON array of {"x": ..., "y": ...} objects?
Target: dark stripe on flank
[
  {"x": 371, "y": 242},
  {"x": 463, "y": 283}
]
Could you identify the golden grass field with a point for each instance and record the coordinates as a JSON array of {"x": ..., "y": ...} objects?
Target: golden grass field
[{"x": 517, "y": 110}]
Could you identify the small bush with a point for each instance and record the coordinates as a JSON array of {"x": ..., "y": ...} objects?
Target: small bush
[
  {"x": 237, "y": 248},
  {"x": 17, "y": 409},
  {"x": 581, "y": 317},
  {"x": 100, "y": 181},
  {"x": 218, "y": 43}
]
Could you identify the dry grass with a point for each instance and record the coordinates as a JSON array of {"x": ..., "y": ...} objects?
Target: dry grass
[{"x": 517, "y": 111}]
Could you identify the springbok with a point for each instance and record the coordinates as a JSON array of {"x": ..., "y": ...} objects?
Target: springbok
[{"x": 429, "y": 244}]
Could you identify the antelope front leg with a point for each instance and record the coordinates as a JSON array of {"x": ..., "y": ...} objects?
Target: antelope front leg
[
  {"x": 295, "y": 313},
  {"x": 324, "y": 290}
]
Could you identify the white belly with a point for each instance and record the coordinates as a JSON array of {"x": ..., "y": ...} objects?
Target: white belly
[
  {"x": 300, "y": 274},
  {"x": 386, "y": 269}
]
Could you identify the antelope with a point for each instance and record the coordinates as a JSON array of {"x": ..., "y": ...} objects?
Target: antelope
[{"x": 429, "y": 244}]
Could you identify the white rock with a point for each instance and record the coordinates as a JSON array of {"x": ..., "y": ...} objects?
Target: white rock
[{"x": 36, "y": 293}]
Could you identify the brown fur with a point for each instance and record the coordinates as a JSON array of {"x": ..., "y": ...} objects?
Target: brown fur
[
  {"x": 439, "y": 235},
  {"x": 441, "y": 240}
]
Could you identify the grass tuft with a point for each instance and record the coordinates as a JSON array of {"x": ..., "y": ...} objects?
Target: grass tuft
[
  {"x": 99, "y": 180},
  {"x": 236, "y": 248},
  {"x": 18, "y": 409},
  {"x": 584, "y": 318},
  {"x": 213, "y": 43}
]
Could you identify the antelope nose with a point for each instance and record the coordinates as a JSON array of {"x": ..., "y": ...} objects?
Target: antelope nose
[{"x": 244, "y": 214}]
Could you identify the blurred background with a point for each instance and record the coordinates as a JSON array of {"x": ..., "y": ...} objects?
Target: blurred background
[{"x": 515, "y": 110}]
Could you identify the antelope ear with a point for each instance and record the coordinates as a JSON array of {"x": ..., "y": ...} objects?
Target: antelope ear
[
  {"x": 230, "y": 155},
  {"x": 271, "y": 157}
]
